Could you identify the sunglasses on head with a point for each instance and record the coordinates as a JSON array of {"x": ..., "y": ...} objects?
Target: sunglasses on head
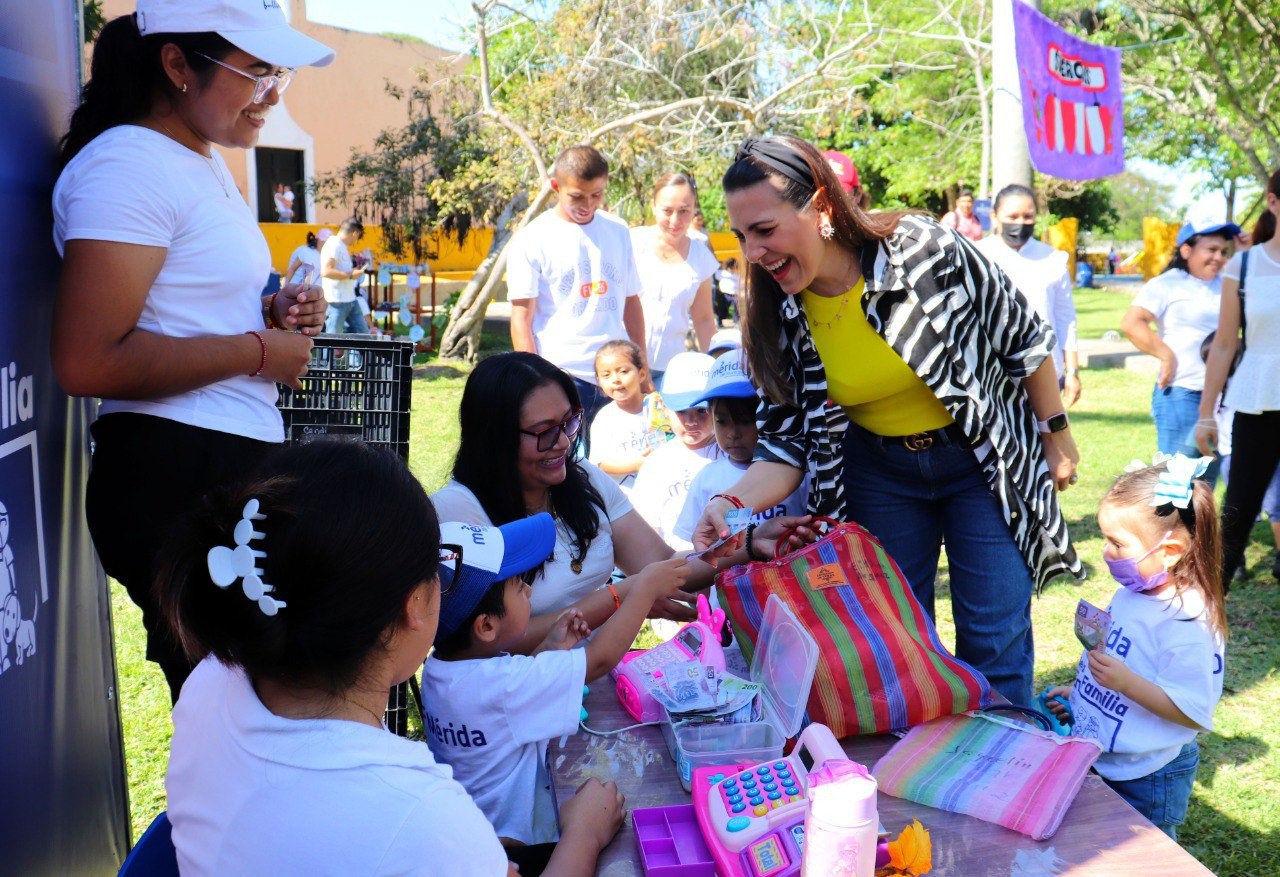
[{"x": 548, "y": 437}]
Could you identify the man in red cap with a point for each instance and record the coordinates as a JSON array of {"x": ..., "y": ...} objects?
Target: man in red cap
[{"x": 847, "y": 174}]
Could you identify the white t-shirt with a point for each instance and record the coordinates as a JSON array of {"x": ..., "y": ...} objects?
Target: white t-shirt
[
  {"x": 490, "y": 720},
  {"x": 717, "y": 477},
  {"x": 310, "y": 259},
  {"x": 1040, "y": 273},
  {"x": 614, "y": 434},
  {"x": 1187, "y": 311},
  {"x": 664, "y": 481},
  {"x": 581, "y": 277},
  {"x": 250, "y": 792},
  {"x": 1255, "y": 387},
  {"x": 729, "y": 282},
  {"x": 669, "y": 290},
  {"x": 1170, "y": 644},
  {"x": 337, "y": 291},
  {"x": 559, "y": 585},
  {"x": 132, "y": 185}
]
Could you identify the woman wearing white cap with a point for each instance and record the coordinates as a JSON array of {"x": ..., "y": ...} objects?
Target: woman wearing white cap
[
  {"x": 1183, "y": 303},
  {"x": 159, "y": 309}
]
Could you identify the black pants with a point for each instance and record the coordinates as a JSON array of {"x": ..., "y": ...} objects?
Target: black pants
[
  {"x": 146, "y": 472},
  {"x": 1255, "y": 452}
]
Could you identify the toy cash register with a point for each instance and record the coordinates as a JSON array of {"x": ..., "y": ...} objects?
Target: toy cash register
[
  {"x": 752, "y": 816},
  {"x": 697, "y": 641}
]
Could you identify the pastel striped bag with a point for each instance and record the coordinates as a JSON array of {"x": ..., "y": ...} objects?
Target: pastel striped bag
[
  {"x": 881, "y": 665},
  {"x": 991, "y": 768}
]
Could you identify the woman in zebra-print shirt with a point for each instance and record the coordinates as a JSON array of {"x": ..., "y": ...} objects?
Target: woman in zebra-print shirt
[{"x": 907, "y": 379}]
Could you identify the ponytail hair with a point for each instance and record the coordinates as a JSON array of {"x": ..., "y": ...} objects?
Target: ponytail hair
[
  {"x": 312, "y": 240},
  {"x": 1265, "y": 229},
  {"x": 1200, "y": 567},
  {"x": 126, "y": 78}
]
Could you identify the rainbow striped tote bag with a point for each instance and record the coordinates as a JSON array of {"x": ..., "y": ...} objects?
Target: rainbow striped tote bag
[
  {"x": 991, "y": 768},
  {"x": 881, "y": 666}
]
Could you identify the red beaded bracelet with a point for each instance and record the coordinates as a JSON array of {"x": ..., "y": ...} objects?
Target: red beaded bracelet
[
  {"x": 262, "y": 366},
  {"x": 737, "y": 503}
]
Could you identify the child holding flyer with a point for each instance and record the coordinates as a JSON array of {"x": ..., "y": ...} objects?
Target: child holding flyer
[{"x": 1152, "y": 686}]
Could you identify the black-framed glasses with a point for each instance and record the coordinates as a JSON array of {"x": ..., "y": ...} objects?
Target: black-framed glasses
[
  {"x": 548, "y": 437},
  {"x": 262, "y": 84},
  {"x": 450, "y": 553}
]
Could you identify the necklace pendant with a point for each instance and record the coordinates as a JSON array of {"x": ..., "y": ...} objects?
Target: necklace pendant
[{"x": 576, "y": 566}]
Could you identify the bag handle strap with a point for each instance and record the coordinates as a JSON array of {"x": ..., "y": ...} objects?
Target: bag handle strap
[
  {"x": 1025, "y": 712},
  {"x": 1244, "y": 271},
  {"x": 791, "y": 531}
]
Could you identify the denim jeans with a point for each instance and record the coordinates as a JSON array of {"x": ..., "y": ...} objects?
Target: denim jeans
[
  {"x": 1163, "y": 796},
  {"x": 1175, "y": 410},
  {"x": 345, "y": 317},
  {"x": 913, "y": 501}
]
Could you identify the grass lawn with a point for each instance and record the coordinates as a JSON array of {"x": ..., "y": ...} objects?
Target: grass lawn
[{"x": 1235, "y": 814}]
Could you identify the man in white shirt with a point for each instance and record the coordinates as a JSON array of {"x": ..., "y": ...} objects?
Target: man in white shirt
[
  {"x": 338, "y": 276},
  {"x": 571, "y": 276}
]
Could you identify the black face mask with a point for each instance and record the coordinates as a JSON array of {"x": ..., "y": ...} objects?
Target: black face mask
[{"x": 1015, "y": 234}]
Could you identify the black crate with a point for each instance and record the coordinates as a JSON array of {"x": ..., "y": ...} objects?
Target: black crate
[{"x": 357, "y": 385}]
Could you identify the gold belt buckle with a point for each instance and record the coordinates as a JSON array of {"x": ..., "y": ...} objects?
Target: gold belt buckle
[{"x": 917, "y": 441}]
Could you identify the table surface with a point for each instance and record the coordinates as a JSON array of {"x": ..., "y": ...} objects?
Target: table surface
[{"x": 1100, "y": 835}]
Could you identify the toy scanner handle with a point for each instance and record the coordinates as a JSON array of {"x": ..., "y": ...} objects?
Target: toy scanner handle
[{"x": 820, "y": 743}]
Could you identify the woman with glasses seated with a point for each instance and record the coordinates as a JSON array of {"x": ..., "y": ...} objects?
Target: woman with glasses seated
[
  {"x": 521, "y": 422},
  {"x": 159, "y": 310}
]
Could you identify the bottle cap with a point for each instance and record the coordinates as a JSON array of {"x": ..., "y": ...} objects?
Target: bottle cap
[{"x": 842, "y": 792}]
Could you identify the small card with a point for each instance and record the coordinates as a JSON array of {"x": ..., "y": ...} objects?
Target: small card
[
  {"x": 1092, "y": 626},
  {"x": 826, "y": 576},
  {"x": 736, "y": 520}
]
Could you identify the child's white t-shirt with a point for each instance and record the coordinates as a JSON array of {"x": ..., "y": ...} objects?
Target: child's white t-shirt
[
  {"x": 728, "y": 282},
  {"x": 310, "y": 259},
  {"x": 718, "y": 477},
  {"x": 1187, "y": 311},
  {"x": 664, "y": 481},
  {"x": 669, "y": 291},
  {"x": 250, "y": 792},
  {"x": 338, "y": 291},
  {"x": 617, "y": 434},
  {"x": 581, "y": 277},
  {"x": 132, "y": 185},
  {"x": 1170, "y": 644},
  {"x": 490, "y": 720},
  {"x": 558, "y": 586}
]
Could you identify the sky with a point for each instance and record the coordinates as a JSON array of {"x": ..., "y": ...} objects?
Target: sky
[{"x": 436, "y": 21}]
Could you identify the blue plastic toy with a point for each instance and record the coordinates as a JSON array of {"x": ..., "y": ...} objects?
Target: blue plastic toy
[{"x": 1062, "y": 729}]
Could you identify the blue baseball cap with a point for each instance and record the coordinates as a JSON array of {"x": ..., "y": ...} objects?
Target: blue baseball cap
[
  {"x": 685, "y": 380},
  {"x": 1192, "y": 229},
  {"x": 489, "y": 555},
  {"x": 728, "y": 379}
]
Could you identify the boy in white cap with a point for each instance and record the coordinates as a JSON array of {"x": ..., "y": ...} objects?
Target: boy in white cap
[
  {"x": 489, "y": 714},
  {"x": 664, "y": 479},
  {"x": 733, "y": 400}
]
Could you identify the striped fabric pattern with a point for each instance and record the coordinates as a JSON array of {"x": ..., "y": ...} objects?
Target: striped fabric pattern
[
  {"x": 989, "y": 767},
  {"x": 961, "y": 325},
  {"x": 881, "y": 665}
]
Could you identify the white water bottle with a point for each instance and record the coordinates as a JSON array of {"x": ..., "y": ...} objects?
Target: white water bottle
[{"x": 841, "y": 827}]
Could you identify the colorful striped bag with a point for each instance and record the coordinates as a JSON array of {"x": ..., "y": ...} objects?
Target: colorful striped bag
[
  {"x": 881, "y": 665},
  {"x": 989, "y": 767}
]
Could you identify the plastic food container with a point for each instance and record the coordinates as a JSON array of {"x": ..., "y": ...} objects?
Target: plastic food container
[
  {"x": 785, "y": 661},
  {"x": 671, "y": 843}
]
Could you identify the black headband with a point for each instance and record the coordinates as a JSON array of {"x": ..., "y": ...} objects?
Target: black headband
[{"x": 780, "y": 157}]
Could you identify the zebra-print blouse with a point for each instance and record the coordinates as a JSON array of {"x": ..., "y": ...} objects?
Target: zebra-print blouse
[{"x": 961, "y": 325}]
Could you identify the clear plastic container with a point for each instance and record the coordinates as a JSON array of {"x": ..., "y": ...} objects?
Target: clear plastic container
[{"x": 785, "y": 659}]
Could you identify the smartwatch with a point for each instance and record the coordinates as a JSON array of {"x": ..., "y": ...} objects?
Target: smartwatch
[{"x": 1056, "y": 423}]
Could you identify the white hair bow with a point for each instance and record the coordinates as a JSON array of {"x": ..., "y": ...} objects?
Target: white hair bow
[{"x": 1176, "y": 483}]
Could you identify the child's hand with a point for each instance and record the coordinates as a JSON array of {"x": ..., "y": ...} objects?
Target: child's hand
[
  {"x": 569, "y": 629},
  {"x": 1109, "y": 671},
  {"x": 662, "y": 578},
  {"x": 1064, "y": 692},
  {"x": 593, "y": 816}
]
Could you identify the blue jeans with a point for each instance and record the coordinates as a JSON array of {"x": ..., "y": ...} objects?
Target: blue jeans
[
  {"x": 1163, "y": 796},
  {"x": 345, "y": 317},
  {"x": 914, "y": 500},
  {"x": 1175, "y": 410}
]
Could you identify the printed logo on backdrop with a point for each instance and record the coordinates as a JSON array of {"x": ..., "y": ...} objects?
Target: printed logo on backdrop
[
  {"x": 1071, "y": 101},
  {"x": 24, "y": 581}
]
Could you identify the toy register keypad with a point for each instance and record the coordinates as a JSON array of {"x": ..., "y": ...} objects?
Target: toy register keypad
[{"x": 757, "y": 791}]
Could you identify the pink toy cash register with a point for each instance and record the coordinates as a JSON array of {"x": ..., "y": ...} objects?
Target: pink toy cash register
[{"x": 697, "y": 641}]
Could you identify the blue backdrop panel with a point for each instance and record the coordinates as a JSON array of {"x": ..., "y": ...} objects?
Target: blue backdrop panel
[{"x": 63, "y": 808}]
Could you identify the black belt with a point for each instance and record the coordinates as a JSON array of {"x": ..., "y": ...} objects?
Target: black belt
[{"x": 950, "y": 434}]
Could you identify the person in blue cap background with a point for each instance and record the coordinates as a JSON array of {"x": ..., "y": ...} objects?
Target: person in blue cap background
[{"x": 1182, "y": 303}]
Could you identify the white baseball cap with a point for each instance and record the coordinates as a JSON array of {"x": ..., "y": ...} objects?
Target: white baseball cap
[
  {"x": 256, "y": 26},
  {"x": 684, "y": 380},
  {"x": 324, "y": 234},
  {"x": 727, "y": 379},
  {"x": 724, "y": 339}
]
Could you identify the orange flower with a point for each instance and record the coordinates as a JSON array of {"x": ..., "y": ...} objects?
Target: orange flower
[{"x": 912, "y": 852}]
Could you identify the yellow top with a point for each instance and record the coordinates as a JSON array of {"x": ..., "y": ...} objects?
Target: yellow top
[{"x": 876, "y": 388}]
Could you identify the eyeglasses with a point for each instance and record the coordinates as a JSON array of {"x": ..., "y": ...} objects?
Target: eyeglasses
[
  {"x": 450, "y": 553},
  {"x": 548, "y": 437},
  {"x": 278, "y": 79}
]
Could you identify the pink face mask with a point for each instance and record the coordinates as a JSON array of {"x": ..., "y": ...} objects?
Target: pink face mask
[{"x": 1125, "y": 570}]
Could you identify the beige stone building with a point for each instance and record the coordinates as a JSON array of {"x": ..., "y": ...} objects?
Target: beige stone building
[{"x": 327, "y": 111}]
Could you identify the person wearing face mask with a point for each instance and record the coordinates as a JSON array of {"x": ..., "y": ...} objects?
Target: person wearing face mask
[
  {"x": 1151, "y": 688},
  {"x": 1040, "y": 273},
  {"x": 1183, "y": 303}
]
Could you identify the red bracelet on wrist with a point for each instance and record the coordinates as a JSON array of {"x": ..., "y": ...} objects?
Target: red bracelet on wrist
[
  {"x": 737, "y": 503},
  {"x": 262, "y": 341}
]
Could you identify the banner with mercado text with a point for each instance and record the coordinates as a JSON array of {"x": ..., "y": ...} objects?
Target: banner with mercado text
[{"x": 1071, "y": 102}]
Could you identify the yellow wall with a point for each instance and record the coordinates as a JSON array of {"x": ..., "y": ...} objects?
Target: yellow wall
[
  {"x": 1063, "y": 237},
  {"x": 1158, "y": 238},
  {"x": 283, "y": 239}
]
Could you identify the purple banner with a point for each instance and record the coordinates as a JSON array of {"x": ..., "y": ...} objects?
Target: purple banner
[{"x": 1071, "y": 102}]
